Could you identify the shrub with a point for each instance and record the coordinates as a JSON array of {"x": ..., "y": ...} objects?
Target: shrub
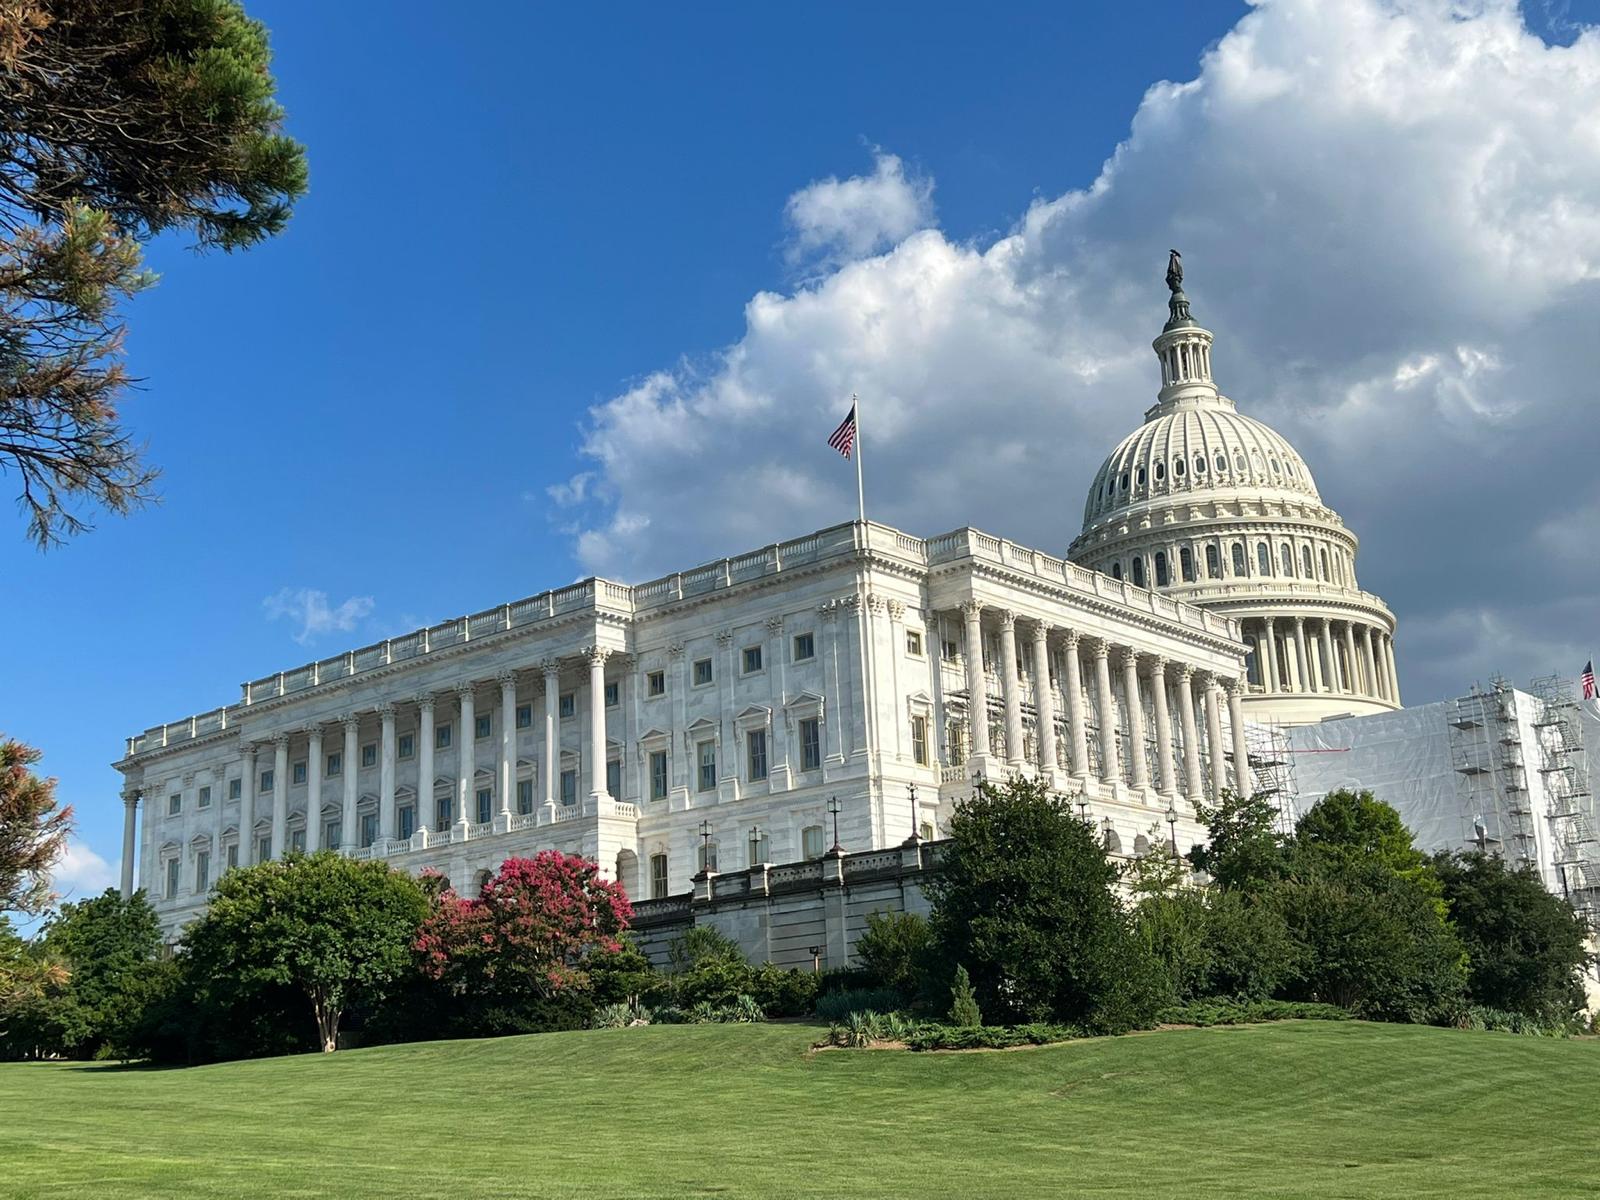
[
  {"x": 621, "y": 1016},
  {"x": 1221, "y": 1010},
  {"x": 932, "y": 1036},
  {"x": 964, "y": 1009},
  {"x": 895, "y": 949},
  {"x": 783, "y": 993},
  {"x": 835, "y": 1006},
  {"x": 1500, "y": 1021}
]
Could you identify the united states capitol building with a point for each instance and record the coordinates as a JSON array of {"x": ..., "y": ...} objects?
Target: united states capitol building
[{"x": 839, "y": 689}]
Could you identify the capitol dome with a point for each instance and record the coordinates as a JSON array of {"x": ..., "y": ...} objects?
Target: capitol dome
[{"x": 1215, "y": 508}]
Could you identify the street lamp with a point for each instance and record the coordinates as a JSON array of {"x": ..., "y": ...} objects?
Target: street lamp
[
  {"x": 705, "y": 847},
  {"x": 834, "y": 809},
  {"x": 1172, "y": 826},
  {"x": 755, "y": 844},
  {"x": 916, "y": 833}
]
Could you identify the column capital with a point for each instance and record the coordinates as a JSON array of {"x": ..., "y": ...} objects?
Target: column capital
[
  {"x": 424, "y": 701},
  {"x": 1186, "y": 671},
  {"x": 314, "y": 732},
  {"x": 1070, "y": 638},
  {"x": 280, "y": 739},
  {"x": 1102, "y": 648},
  {"x": 1158, "y": 665},
  {"x": 466, "y": 691},
  {"x": 1007, "y": 620},
  {"x": 1041, "y": 632},
  {"x": 351, "y": 721},
  {"x": 552, "y": 666},
  {"x": 385, "y": 711},
  {"x": 598, "y": 654},
  {"x": 674, "y": 650},
  {"x": 875, "y": 603},
  {"x": 130, "y": 797},
  {"x": 1232, "y": 688},
  {"x": 971, "y": 610},
  {"x": 1266, "y": 621},
  {"x": 827, "y": 610},
  {"x": 774, "y": 626},
  {"x": 897, "y": 610},
  {"x": 506, "y": 677}
]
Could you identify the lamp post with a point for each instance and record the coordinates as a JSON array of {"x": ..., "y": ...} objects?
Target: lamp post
[
  {"x": 1083, "y": 809},
  {"x": 755, "y": 844},
  {"x": 1105, "y": 832},
  {"x": 834, "y": 809},
  {"x": 705, "y": 847},
  {"x": 916, "y": 833},
  {"x": 1172, "y": 827}
]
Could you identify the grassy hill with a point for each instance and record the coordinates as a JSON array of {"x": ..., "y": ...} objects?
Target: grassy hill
[{"x": 1295, "y": 1109}]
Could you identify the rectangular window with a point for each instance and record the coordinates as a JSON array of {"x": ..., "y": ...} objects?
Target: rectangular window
[
  {"x": 919, "y": 739},
  {"x": 524, "y": 796},
  {"x": 485, "y": 806},
  {"x": 760, "y": 848},
  {"x": 369, "y": 828},
  {"x": 613, "y": 694},
  {"x": 263, "y": 849},
  {"x": 805, "y": 647},
  {"x": 174, "y": 804},
  {"x": 407, "y": 818},
  {"x": 567, "y": 705},
  {"x": 332, "y": 833},
  {"x": 205, "y": 797},
  {"x": 614, "y": 778},
  {"x": 483, "y": 726},
  {"x": 658, "y": 774},
  {"x": 658, "y": 877},
  {"x": 655, "y": 683},
  {"x": 755, "y": 744},
  {"x": 369, "y": 754},
  {"x": 444, "y": 812},
  {"x": 406, "y": 745},
  {"x": 811, "y": 841},
  {"x": 569, "y": 788},
  {"x": 235, "y": 788},
  {"x": 233, "y": 856},
  {"x": 810, "y": 744},
  {"x": 914, "y": 642},
  {"x": 951, "y": 652},
  {"x": 442, "y": 736},
  {"x": 752, "y": 659},
  {"x": 706, "y": 756},
  {"x": 202, "y": 871},
  {"x": 173, "y": 866},
  {"x": 524, "y": 716},
  {"x": 297, "y": 841},
  {"x": 297, "y": 773},
  {"x": 266, "y": 782},
  {"x": 702, "y": 672},
  {"x": 335, "y": 764}
]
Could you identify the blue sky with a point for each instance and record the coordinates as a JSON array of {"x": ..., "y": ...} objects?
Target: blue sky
[{"x": 516, "y": 223}]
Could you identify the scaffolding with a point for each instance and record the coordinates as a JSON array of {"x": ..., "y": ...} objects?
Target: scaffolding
[
  {"x": 1272, "y": 769},
  {"x": 1564, "y": 768}
]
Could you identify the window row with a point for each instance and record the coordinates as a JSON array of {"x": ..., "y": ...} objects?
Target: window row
[
  {"x": 1334, "y": 569},
  {"x": 1200, "y": 467}
]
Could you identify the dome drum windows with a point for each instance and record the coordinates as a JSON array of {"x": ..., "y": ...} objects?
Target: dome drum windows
[
  {"x": 1213, "y": 563},
  {"x": 1160, "y": 471},
  {"x": 1163, "y": 579},
  {"x": 1177, "y": 468},
  {"x": 1286, "y": 556},
  {"x": 1305, "y": 563},
  {"x": 1116, "y": 570},
  {"x": 1186, "y": 564},
  {"x": 1263, "y": 559},
  {"x": 1138, "y": 571},
  {"x": 1199, "y": 464},
  {"x": 1239, "y": 568}
]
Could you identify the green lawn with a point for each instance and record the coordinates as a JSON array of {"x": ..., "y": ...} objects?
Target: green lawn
[{"x": 1294, "y": 1109}]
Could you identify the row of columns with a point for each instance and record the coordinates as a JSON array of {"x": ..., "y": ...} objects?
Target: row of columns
[
  {"x": 1313, "y": 663},
  {"x": 1132, "y": 766}
]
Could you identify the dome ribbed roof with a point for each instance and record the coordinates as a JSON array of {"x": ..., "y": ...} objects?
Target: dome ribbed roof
[{"x": 1202, "y": 451}]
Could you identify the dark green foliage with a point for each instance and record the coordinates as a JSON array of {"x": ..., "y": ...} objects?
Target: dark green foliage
[
  {"x": 897, "y": 948},
  {"x": 1222, "y": 1011},
  {"x": 1494, "y": 1020},
  {"x": 1525, "y": 947},
  {"x": 1024, "y": 901},
  {"x": 783, "y": 993},
  {"x": 622, "y": 976},
  {"x": 964, "y": 1009},
  {"x": 1244, "y": 850},
  {"x": 931, "y": 1036},
  {"x": 1215, "y": 943},
  {"x": 109, "y": 946},
  {"x": 835, "y": 1006},
  {"x": 1355, "y": 829}
]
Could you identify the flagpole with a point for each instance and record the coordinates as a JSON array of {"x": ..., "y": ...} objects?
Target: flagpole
[{"x": 861, "y": 493}]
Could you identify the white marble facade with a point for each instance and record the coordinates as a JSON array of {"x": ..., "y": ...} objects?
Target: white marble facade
[{"x": 728, "y": 704}]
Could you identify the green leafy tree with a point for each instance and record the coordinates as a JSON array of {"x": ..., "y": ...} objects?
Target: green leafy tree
[
  {"x": 335, "y": 931},
  {"x": 33, "y": 831},
  {"x": 964, "y": 1009},
  {"x": 119, "y": 120},
  {"x": 109, "y": 945},
  {"x": 1244, "y": 849},
  {"x": 1347, "y": 828},
  {"x": 896, "y": 948},
  {"x": 1024, "y": 899},
  {"x": 1525, "y": 947}
]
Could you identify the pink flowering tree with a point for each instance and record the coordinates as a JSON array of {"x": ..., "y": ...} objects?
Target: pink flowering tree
[{"x": 537, "y": 927}]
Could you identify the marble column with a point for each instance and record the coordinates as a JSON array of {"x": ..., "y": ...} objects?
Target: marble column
[
  {"x": 597, "y": 656},
  {"x": 1165, "y": 768},
  {"x": 1242, "y": 783},
  {"x": 1375, "y": 682},
  {"x": 1109, "y": 771},
  {"x": 1044, "y": 700},
  {"x": 247, "y": 803},
  {"x": 1331, "y": 674},
  {"x": 1269, "y": 667},
  {"x": 386, "y": 772},
  {"x": 1219, "y": 761},
  {"x": 1353, "y": 682},
  {"x": 350, "y": 832},
  {"x": 1011, "y": 688},
  {"x": 466, "y": 757},
  {"x": 130, "y": 837},
  {"x": 314, "y": 790},
  {"x": 1394, "y": 674},
  {"x": 977, "y": 686},
  {"x": 1138, "y": 759},
  {"x": 1192, "y": 783},
  {"x": 280, "y": 793},
  {"x": 1303, "y": 675},
  {"x": 508, "y": 741},
  {"x": 427, "y": 818},
  {"x": 552, "y": 730},
  {"x": 1076, "y": 734}
]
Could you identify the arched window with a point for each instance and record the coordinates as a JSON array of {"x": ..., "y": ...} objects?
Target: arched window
[
  {"x": 1238, "y": 461},
  {"x": 1161, "y": 471},
  {"x": 1138, "y": 571},
  {"x": 1186, "y": 564},
  {"x": 1116, "y": 570},
  {"x": 1162, "y": 579},
  {"x": 1305, "y": 562},
  {"x": 1273, "y": 463},
  {"x": 1141, "y": 846},
  {"x": 1287, "y": 556},
  {"x": 1222, "y": 463},
  {"x": 1141, "y": 476},
  {"x": 1324, "y": 565},
  {"x": 1263, "y": 559},
  {"x": 1199, "y": 464},
  {"x": 1213, "y": 563},
  {"x": 1124, "y": 481},
  {"x": 1239, "y": 569},
  {"x": 1177, "y": 468},
  {"x": 1111, "y": 486}
]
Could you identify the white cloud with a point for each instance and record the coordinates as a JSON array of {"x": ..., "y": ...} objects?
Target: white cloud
[
  {"x": 1390, "y": 215},
  {"x": 835, "y": 220},
  {"x": 81, "y": 873},
  {"x": 309, "y": 609}
]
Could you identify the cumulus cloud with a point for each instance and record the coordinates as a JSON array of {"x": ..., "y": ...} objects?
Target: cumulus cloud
[
  {"x": 81, "y": 872},
  {"x": 1390, "y": 216},
  {"x": 835, "y": 220},
  {"x": 309, "y": 610}
]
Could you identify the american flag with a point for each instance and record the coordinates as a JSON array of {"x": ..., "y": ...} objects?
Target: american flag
[
  {"x": 844, "y": 437},
  {"x": 1588, "y": 680}
]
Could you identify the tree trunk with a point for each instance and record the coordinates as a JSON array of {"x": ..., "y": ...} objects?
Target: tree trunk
[{"x": 327, "y": 1014}]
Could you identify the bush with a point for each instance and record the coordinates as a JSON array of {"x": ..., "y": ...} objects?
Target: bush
[
  {"x": 932, "y": 1036},
  {"x": 964, "y": 1009},
  {"x": 895, "y": 948},
  {"x": 783, "y": 993},
  {"x": 1500, "y": 1021},
  {"x": 835, "y": 1006},
  {"x": 1221, "y": 1010}
]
